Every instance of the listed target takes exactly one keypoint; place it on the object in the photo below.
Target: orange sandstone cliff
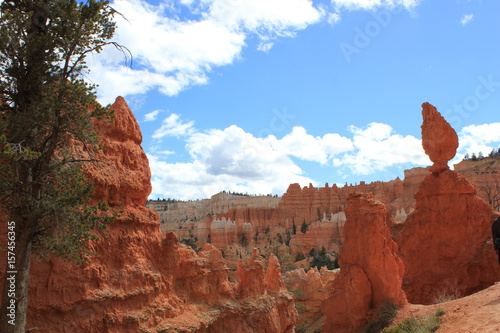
(143, 280)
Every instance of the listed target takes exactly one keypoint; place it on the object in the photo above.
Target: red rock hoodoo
(439, 139)
(371, 272)
(446, 244)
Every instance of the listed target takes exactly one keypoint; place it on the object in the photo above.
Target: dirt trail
(476, 313)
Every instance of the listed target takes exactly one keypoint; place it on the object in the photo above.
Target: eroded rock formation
(439, 139)
(310, 290)
(141, 279)
(304, 218)
(371, 272)
(445, 244)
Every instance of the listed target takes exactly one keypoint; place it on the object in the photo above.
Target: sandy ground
(476, 313)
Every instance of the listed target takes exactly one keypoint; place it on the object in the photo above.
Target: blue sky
(252, 95)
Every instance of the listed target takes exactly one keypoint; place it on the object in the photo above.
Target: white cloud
(280, 17)
(235, 160)
(228, 159)
(309, 148)
(377, 148)
(152, 115)
(171, 54)
(333, 18)
(466, 19)
(479, 138)
(173, 126)
(235, 152)
(373, 4)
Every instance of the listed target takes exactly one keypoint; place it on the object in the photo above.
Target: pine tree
(46, 106)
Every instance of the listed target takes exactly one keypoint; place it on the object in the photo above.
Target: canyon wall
(304, 218)
(143, 280)
(261, 221)
(485, 175)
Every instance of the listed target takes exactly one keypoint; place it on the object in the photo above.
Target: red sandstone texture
(371, 272)
(439, 139)
(310, 290)
(141, 279)
(446, 242)
(485, 175)
(125, 180)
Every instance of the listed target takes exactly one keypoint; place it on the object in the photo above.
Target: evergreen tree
(304, 227)
(45, 107)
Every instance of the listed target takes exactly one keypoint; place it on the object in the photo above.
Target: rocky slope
(143, 280)
(477, 312)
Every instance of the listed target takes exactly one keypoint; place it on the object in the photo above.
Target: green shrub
(300, 307)
(321, 258)
(385, 317)
(302, 328)
(299, 256)
(297, 293)
(417, 325)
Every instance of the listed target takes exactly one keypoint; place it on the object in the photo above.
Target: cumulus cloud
(309, 148)
(377, 147)
(235, 160)
(171, 53)
(228, 159)
(479, 138)
(466, 19)
(151, 116)
(176, 44)
(234, 152)
(173, 126)
(267, 17)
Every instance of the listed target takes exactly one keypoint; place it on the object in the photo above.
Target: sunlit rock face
(439, 139)
(445, 242)
(371, 272)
